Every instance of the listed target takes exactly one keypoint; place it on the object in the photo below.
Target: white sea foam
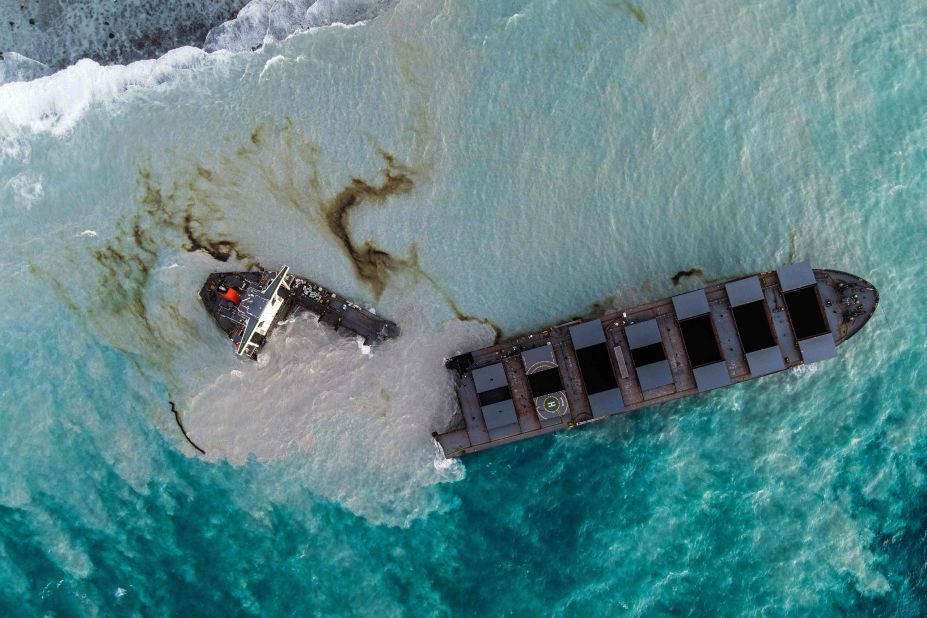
(848, 548)
(46, 36)
(275, 60)
(54, 103)
(17, 68)
(26, 188)
(14, 147)
(266, 21)
(63, 547)
(356, 427)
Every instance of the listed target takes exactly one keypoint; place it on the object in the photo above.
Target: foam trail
(357, 426)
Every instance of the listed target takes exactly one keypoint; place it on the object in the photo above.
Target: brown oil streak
(460, 315)
(163, 222)
(180, 215)
(633, 9)
(637, 12)
(373, 265)
(257, 135)
(682, 274)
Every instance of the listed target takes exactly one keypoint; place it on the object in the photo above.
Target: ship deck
(262, 300)
(845, 303)
(339, 312)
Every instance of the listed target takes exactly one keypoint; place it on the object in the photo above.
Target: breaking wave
(56, 102)
(266, 21)
(35, 97)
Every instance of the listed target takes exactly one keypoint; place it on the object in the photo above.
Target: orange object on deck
(232, 295)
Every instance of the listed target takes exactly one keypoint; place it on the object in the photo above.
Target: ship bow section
(697, 341)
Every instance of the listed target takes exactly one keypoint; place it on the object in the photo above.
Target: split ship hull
(248, 306)
(723, 334)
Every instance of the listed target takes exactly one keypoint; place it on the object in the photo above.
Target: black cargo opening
(596, 369)
(545, 382)
(753, 326)
(648, 354)
(805, 311)
(701, 345)
(496, 395)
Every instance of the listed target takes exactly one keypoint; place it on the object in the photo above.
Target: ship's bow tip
(856, 300)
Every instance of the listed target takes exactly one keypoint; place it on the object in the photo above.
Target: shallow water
(553, 155)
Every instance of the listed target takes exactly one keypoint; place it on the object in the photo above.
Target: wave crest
(265, 21)
(54, 103)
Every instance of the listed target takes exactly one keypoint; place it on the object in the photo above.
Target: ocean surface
(511, 165)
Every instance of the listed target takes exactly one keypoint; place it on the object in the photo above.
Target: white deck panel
(712, 376)
(765, 361)
(543, 354)
(606, 403)
(818, 348)
(744, 291)
(587, 334)
(499, 414)
(795, 276)
(654, 375)
(690, 304)
(642, 334)
(488, 378)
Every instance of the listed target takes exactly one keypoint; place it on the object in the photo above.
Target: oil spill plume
(683, 274)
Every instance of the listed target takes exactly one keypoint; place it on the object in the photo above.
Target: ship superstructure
(247, 306)
(580, 372)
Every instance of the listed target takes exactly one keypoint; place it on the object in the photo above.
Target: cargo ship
(247, 306)
(584, 371)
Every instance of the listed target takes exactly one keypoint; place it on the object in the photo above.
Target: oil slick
(371, 264)
(164, 223)
(683, 274)
(632, 9)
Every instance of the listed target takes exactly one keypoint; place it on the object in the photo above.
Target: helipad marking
(552, 404)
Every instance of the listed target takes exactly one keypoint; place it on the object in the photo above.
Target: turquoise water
(554, 155)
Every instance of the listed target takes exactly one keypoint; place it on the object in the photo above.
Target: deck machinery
(247, 306)
(581, 372)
